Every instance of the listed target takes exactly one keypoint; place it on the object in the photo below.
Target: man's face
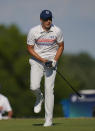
(46, 23)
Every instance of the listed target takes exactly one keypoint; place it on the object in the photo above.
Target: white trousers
(36, 73)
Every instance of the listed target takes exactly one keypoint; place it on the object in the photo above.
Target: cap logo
(47, 12)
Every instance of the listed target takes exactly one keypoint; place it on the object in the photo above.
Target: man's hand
(50, 64)
(54, 63)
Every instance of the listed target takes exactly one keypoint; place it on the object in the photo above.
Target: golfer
(45, 44)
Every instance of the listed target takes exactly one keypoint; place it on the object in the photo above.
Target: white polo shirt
(45, 43)
(5, 103)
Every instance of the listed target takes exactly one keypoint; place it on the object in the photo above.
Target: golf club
(67, 82)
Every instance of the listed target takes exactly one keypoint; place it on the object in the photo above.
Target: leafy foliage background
(15, 73)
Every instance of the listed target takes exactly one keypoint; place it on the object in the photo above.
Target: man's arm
(59, 51)
(33, 53)
(10, 113)
(1, 108)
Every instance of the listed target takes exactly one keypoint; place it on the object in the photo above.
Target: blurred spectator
(5, 107)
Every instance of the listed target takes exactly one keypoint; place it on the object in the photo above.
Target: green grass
(60, 124)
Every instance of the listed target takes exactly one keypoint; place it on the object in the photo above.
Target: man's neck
(46, 29)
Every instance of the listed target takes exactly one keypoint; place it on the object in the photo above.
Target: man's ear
(41, 20)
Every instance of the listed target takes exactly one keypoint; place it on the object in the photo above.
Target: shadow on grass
(54, 124)
(37, 124)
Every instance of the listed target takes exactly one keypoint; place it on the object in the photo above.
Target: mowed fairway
(60, 124)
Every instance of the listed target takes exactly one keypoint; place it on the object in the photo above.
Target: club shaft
(68, 83)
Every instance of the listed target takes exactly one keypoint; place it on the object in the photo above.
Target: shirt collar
(42, 30)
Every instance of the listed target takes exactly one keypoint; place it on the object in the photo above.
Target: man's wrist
(44, 60)
(55, 59)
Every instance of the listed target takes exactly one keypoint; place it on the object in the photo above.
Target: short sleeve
(60, 36)
(31, 38)
(7, 106)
